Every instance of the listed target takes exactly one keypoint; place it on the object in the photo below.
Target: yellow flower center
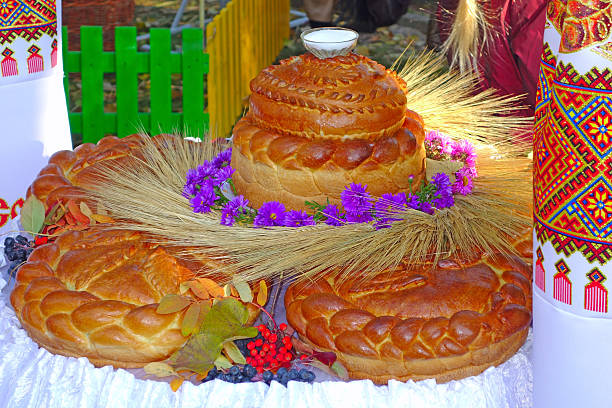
(273, 216)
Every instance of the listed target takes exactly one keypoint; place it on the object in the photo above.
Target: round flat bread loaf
(95, 293)
(445, 321)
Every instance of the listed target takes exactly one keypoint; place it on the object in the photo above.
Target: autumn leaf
(172, 304)
(227, 290)
(232, 351)
(85, 209)
(190, 320)
(225, 321)
(76, 212)
(212, 287)
(103, 219)
(55, 213)
(159, 369)
(340, 370)
(222, 363)
(244, 290)
(32, 215)
(198, 289)
(176, 383)
(262, 295)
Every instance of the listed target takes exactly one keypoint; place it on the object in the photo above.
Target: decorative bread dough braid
(444, 322)
(342, 97)
(94, 293)
(293, 169)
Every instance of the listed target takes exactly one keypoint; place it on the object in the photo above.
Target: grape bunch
(248, 373)
(16, 251)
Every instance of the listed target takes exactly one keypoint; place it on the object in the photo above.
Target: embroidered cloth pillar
(573, 208)
(34, 121)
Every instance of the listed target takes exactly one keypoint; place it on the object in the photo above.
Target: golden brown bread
(342, 97)
(445, 322)
(316, 126)
(94, 294)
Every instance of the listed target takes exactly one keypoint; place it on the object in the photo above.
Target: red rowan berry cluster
(270, 350)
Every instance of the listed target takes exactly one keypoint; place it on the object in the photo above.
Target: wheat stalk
(145, 195)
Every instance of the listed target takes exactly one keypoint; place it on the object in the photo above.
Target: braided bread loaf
(94, 293)
(315, 126)
(447, 321)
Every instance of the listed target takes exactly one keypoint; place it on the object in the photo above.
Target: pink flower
(464, 182)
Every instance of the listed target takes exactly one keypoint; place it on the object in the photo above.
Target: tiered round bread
(317, 125)
(447, 321)
(94, 293)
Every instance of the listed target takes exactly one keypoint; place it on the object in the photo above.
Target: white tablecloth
(32, 377)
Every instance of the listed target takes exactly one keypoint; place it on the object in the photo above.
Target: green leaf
(32, 215)
(224, 322)
(198, 354)
(232, 351)
(340, 370)
(190, 320)
(244, 290)
(222, 363)
(172, 304)
(159, 369)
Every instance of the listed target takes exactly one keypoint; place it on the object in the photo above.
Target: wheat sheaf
(145, 195)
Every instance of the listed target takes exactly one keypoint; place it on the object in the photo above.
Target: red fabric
(511, 61)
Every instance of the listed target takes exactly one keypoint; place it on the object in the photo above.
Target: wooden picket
(127, 63)
(242, 39)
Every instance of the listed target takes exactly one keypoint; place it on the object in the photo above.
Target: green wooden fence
(126, 62)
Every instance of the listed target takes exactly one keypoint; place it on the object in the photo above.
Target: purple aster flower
(413, 202)
(464, 181)
(270, 214)
(334, 217)
(189, 190)
(444, 200)
(463, 151)
(438, 145)
(206, 170)
(426, 208)
(223, 158)
(222, 175)
(355, 218)
(390, 204)
(441, 181)
(356, 200)
(236, 206)
(192, 177)
(204, 199)
(295, 218)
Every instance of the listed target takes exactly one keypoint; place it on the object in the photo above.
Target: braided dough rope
(94, 293)
(446, 322)
(272, 166)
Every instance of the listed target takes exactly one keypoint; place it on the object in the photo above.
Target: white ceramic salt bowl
(329, 42)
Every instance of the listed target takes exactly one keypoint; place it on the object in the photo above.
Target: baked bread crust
(342, 97)
(317, 125)
(94, 293)
(445, 322)
(292, 169)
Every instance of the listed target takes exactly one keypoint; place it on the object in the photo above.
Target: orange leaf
(102, 218)
(69, 219)
(176, 383)
(172, 303)
(76, 213)
(198, 289)
(262, 295)
(212, 287)
(190, 320)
